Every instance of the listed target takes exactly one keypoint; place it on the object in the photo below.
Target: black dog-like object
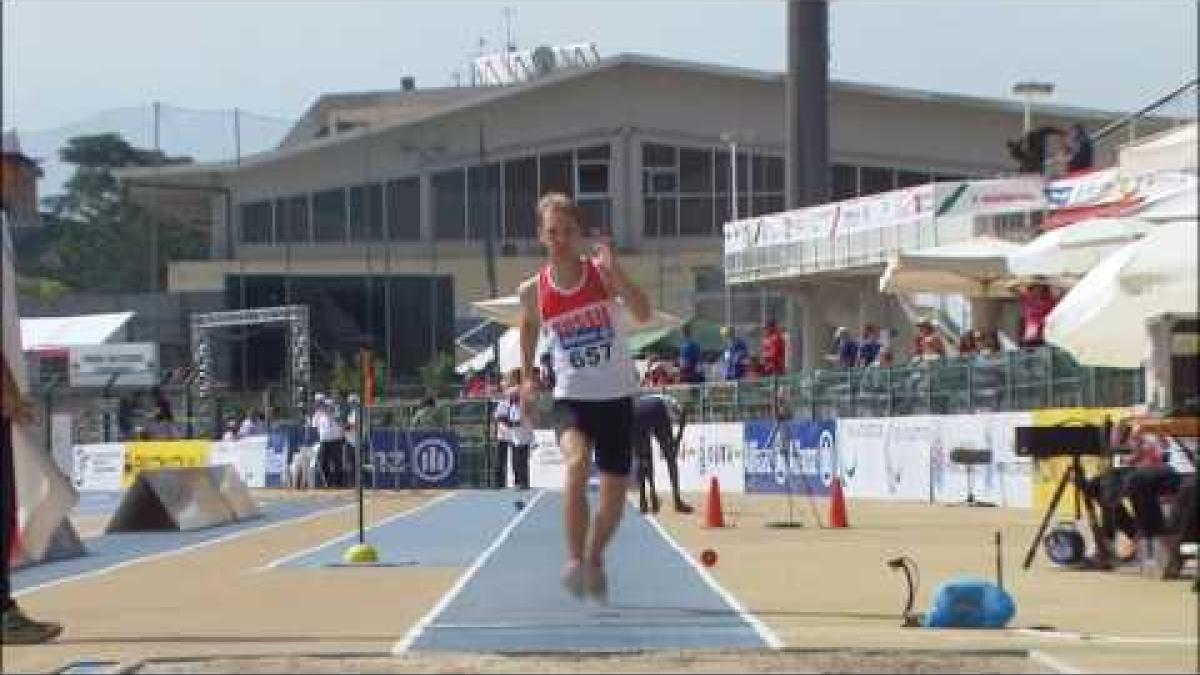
(654, 417)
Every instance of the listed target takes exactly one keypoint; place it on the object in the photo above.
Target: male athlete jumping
(574, 298)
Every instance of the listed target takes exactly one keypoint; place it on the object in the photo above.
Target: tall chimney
(807, 103)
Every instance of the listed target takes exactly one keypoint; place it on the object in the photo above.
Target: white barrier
(104, 466)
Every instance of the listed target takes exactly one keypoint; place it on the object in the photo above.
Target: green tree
(103, 241)
(437, 375)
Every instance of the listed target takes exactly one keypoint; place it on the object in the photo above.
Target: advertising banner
(140, 455)
(887, 458)
(794, 456)
(1005, 481)
(247, 455)
(415, 459)
(98, 466)
(706, 450)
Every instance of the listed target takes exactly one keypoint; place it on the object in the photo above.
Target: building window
(366, 212)
(483, 194)
(768, 174)
(257, 223)
(708, 279)
(450, 205)
(844, 181)
(520, 198)
(329, 216)
(404, 209)
(557, 174)
(292, 216)
(876, 179)
(597, 216)
(905, 178)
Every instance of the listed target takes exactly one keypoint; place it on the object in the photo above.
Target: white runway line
(1053, 663)
(180, 551)
(1111, 639)
(419, 627)
(768, 636)
(350, 534)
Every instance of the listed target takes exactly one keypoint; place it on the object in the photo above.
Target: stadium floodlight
(1029, 90)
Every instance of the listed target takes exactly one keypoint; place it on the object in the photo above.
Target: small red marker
(708, 557)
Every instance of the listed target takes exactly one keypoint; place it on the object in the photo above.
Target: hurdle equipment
(714, 516)
(181, 499)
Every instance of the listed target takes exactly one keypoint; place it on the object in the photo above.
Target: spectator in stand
(989, 343)
(1037, 301)
(756, 368)
(475, 385)
(689, 359)
(1079, 145)
(845, 348)
(928, 345)
(546, 372)
(968, 345)
(658, 373)
(774, 350)
(736, 357)
(126, 409)
(887, 356)
(870, 347)
(1034, 148)
(254, 424)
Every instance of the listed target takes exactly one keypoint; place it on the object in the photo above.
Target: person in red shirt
(774, 350)
(1037, 301)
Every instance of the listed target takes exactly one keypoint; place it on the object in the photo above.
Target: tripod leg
(1050, 509)
(1104, 547)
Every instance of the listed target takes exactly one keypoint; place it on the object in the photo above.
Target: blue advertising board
(792, 456)
(414, 459)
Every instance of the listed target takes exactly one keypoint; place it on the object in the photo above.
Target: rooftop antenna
(509, 45)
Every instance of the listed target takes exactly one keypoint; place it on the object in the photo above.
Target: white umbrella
(975, 268)
(1075, 249)
(1102, 321)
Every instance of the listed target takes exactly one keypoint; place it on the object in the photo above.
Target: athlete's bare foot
(574, 579)
(597, 583)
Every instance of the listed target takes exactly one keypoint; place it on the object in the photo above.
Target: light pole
(1030, 90)
(732, 138)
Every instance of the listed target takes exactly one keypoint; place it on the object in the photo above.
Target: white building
(372, 209)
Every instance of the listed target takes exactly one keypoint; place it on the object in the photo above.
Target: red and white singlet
(587, 337)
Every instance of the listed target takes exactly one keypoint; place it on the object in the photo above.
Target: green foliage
(102, 241)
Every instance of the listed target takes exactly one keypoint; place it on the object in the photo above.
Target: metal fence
(1014, 381)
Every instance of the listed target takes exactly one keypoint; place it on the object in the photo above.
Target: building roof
(61, 332)
(10, 145)
(434, 103)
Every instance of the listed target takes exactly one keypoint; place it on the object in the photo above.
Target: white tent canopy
(1102, 321)
(1171, 150)
(61, 332)
(1074, 249)
(975, 268)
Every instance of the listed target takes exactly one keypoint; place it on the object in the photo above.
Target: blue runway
(450, 533)
(515, 603)
(112, 549)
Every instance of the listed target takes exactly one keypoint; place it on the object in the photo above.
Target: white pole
(733, 211)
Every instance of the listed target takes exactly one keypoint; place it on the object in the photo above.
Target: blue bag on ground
(970, 603)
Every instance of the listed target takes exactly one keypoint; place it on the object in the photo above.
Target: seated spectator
(736, 357)
(689, 359)
(928, 345)
(968, 345)
(546, 372)
(1033, 149)
(845, 348)
(1079, 147)
(756, 368)
(1037, 300)
(773, 350)
(870, 347)
(989, 343)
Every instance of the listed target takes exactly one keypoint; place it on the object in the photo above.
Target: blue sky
(64, 60)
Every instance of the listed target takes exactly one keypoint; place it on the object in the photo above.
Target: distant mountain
(204, 135)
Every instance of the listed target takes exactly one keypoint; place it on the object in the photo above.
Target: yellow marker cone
(360, 554)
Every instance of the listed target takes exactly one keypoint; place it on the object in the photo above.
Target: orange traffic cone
(714, 516)
(837, 505)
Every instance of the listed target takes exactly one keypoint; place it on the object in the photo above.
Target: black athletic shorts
(608, 424)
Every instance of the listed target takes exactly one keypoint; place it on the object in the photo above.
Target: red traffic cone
(714, 516)
(837, 505)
